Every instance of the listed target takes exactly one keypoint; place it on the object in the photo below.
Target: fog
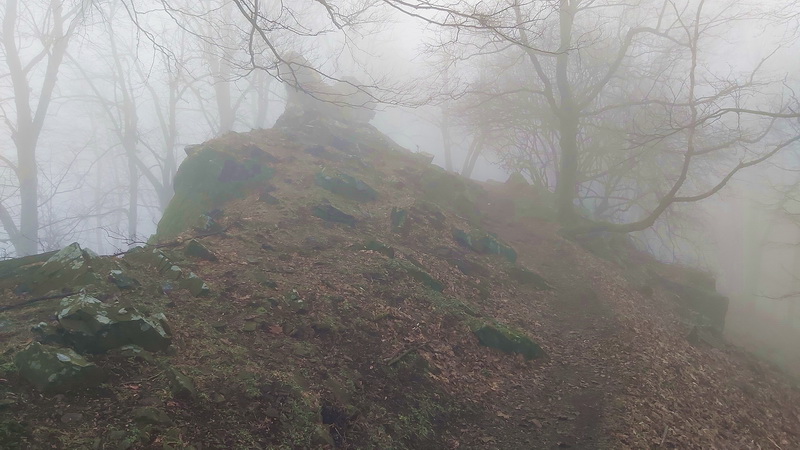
(673, 122)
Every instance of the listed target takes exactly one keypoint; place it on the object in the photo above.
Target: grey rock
(180, 385)
(122, 280)
(195, 285)
(197, 250)
(96, 327)
(56, 369)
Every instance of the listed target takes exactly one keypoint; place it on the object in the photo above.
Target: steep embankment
(321, 287)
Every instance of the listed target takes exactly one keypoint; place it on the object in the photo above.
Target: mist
(674, 123)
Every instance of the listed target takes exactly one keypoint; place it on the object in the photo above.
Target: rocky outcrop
(95, 327)
(56, 369)
(206, 180)
(69, 267)
(346, 98)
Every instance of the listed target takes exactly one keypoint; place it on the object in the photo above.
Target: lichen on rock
(56, 369)
(96, 327)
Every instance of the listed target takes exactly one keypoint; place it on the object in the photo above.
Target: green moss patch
(400, 265)
(206, 180)
(506, 339)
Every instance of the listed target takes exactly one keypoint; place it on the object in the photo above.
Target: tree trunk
(568, 121)
(447, 141)
(28, 241)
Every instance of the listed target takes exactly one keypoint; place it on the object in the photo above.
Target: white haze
(736, 234)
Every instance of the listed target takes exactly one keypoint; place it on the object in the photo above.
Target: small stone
(181, 386)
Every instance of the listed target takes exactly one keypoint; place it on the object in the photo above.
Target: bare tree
(639, 111)
(51, 24)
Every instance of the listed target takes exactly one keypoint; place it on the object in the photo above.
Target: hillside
(316, 286)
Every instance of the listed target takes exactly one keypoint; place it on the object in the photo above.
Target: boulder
(122, 280)
(16, 269)
(207, 179)
(710, 305)
(47, 333)
(195, 285)
(509, 341)
(95, 327)
(56, 369)
(346, 186)
(195, 249)
(486, 243)
(330, 213)
(70, 267)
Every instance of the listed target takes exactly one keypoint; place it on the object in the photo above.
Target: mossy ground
(311, 340)
(326, 318)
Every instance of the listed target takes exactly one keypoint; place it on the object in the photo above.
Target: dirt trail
(577, 386)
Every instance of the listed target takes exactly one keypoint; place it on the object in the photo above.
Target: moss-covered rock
(195, 249)
(347, 186)
(205, 181)
(56, 369)
(70, 268)
(122, 280)
(195, 285)
(330, 213)
(15, 269)
(96, 327)
(506, 339)
(486, 243)
(180, 385)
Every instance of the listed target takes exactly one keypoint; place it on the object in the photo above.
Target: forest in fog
(673, 121)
